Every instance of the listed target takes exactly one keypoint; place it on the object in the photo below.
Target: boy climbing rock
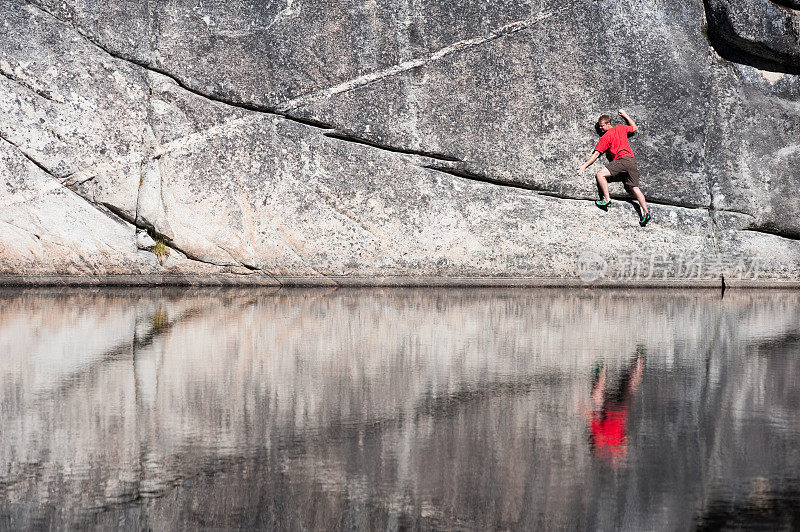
(614, 143)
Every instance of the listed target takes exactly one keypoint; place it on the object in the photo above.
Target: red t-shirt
(615, 142)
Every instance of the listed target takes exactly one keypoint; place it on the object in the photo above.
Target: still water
(398, 408)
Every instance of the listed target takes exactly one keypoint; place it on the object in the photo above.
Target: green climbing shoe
(644, 219)
(603, 204)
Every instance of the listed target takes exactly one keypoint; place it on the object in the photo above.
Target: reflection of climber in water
(610, 411)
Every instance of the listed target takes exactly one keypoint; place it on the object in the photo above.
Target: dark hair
(604, 119)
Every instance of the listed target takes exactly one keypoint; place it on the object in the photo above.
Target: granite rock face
(411, 141)
(763, 33)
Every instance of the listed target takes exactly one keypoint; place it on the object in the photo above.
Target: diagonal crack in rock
(331, 131)
(110, 210)
(385, 147)
(310, 122)
(418, 62)
(770, 230)
(33, 160)
(472, 176)
(170, 244)
(39, 92)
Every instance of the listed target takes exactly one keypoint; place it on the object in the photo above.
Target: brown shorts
(626, 166)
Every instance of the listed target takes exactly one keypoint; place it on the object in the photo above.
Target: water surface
(395, 408)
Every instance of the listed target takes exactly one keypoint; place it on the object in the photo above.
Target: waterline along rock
(409, 142)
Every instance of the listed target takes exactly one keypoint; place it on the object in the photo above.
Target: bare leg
(640, 199)
(636, 374)
(598, 389)
(601, 176)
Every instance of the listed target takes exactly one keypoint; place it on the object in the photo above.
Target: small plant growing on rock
(161, 250)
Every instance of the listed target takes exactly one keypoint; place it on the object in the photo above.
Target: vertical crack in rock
(145, 147)
(714, 230)
(711, 95)
(147, 130)
(418, 62)
(711, 207)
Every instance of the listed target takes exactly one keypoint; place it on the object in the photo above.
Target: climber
(614, 142)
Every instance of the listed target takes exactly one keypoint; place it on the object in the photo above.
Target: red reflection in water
(609, 417)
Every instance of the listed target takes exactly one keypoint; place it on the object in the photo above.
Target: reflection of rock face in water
(370, 407)
(433, 139)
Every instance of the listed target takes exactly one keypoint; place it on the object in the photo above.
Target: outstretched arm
(592, 158)
(628, 119)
